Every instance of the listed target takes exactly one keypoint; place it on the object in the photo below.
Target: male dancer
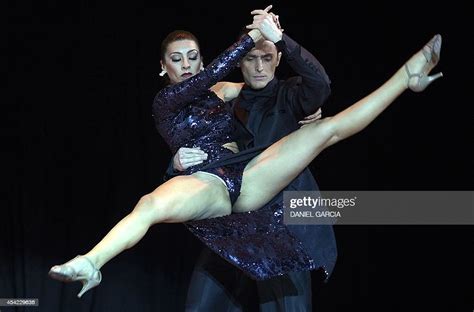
(266, 110)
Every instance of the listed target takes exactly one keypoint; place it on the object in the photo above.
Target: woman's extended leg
(181, 199)
(273, 169)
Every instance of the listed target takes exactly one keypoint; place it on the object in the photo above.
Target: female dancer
(188, 113)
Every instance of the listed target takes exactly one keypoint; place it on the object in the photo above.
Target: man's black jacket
(264, 116)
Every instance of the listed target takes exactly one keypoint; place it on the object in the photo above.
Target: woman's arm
(173, 98)
(226, 90)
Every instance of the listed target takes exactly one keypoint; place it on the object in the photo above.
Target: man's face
(259, 65)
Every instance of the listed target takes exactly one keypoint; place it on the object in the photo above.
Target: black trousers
(216, 285)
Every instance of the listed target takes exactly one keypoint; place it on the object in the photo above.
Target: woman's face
(182, 60)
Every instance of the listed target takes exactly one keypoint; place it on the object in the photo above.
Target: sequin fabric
(257, 242)
(187, 114)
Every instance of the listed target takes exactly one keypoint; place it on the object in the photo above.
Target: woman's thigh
(272, 170)
(193, 197)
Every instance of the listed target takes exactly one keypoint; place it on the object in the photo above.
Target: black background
(81, 147)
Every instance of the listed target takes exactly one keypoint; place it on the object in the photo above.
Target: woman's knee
(153, 206)
(179, 204)
(325, 130)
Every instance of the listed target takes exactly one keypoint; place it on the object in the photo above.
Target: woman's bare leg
(180, 199)
(268, 173)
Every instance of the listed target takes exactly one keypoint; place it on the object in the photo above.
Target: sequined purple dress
(188, 114)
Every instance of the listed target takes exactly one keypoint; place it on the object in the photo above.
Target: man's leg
(290, 292)
(216, 285)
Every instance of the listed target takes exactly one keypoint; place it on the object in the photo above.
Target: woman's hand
(187, 157)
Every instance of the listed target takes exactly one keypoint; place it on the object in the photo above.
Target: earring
(163, 72)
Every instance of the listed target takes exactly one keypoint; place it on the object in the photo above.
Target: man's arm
(314, 89)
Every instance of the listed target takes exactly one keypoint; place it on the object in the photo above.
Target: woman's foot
(420, 64)
(78, 269)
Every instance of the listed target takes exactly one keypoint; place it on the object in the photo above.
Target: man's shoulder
(290, 82)
(288, 86)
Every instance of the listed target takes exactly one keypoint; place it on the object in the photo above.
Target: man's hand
(232, 146)
(187, 157)
(265, 23)
(276, 19)
(310, 118)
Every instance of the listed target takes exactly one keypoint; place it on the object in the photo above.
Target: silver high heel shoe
(431, 52)
(78, 269)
